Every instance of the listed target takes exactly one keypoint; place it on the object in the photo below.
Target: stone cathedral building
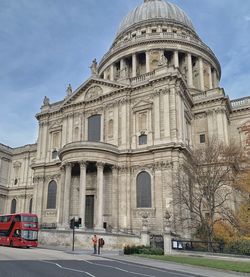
(109, 151)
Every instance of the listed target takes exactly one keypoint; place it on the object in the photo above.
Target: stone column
(134, 65)
(215, 79)
(167, 241)
(210, 81)
(99, 225)
(82, 193)
(147, 62)
(190, 70)
(176, 59)
(105, 75)
(122, 65)
(115, 195)
(201, 74)
(112, 76)
(66, 201)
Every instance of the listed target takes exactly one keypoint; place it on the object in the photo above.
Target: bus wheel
(11, 243)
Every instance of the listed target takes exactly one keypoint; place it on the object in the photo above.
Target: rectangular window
(202, 138)
(94, 128)
(143, 139)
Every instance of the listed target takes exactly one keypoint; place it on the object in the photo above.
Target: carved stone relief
(93, 92)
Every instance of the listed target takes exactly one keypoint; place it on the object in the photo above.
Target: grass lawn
(201, 261)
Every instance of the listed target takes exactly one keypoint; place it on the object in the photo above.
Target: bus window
(29, 235)
(17, 218)
(29, 219)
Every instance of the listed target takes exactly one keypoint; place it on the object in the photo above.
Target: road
(36, 262)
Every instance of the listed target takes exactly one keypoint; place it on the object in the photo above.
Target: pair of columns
(82, 194)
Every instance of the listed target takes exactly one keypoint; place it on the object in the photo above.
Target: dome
(155, 9)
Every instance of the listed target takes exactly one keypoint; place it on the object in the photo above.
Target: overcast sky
(47, 44)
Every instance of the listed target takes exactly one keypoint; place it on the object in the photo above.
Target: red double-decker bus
(19, 230)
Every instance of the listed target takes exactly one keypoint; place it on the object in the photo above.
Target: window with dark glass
(13, 206)
(54, 155)
(94, 128)
(202, 138)
(143, 139)
(30, 205)
(51, 200)
(143, 190)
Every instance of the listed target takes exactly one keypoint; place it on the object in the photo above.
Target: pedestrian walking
(94, 241)
(100, 245)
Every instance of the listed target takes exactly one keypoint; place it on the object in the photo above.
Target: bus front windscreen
(29, 234)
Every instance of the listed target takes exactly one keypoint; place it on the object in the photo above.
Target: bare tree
(204, 186)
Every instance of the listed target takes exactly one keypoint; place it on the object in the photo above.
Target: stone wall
(83, 239)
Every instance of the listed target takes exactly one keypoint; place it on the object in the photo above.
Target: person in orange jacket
(94, 241)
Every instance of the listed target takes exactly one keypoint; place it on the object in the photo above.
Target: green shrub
(240, 247)
(141, 249)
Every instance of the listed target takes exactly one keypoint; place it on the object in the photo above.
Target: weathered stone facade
(154, 95)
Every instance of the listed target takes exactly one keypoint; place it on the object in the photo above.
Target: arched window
(143, 190)
(13, 206)
(51, 200)
(94, 128)
(30, 206)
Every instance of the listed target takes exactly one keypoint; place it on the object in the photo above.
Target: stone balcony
(89, 149)
(240, 103)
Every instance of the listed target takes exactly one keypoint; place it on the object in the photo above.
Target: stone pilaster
(172, 112)
(60, 204)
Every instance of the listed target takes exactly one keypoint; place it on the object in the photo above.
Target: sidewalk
(196, 270)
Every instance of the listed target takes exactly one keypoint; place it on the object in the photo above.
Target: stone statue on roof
(46, 101)
(69, 90)
(93, 67)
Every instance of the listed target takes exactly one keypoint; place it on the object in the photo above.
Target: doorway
(89, 212)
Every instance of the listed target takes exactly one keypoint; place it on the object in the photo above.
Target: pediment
(56, 125)
(91, 90)
(142, 105)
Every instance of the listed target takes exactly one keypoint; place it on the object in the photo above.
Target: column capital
(83, 164)
(67, 165)
(100, 164)
(115, 167)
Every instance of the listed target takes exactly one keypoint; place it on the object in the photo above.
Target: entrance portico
(84, 193)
